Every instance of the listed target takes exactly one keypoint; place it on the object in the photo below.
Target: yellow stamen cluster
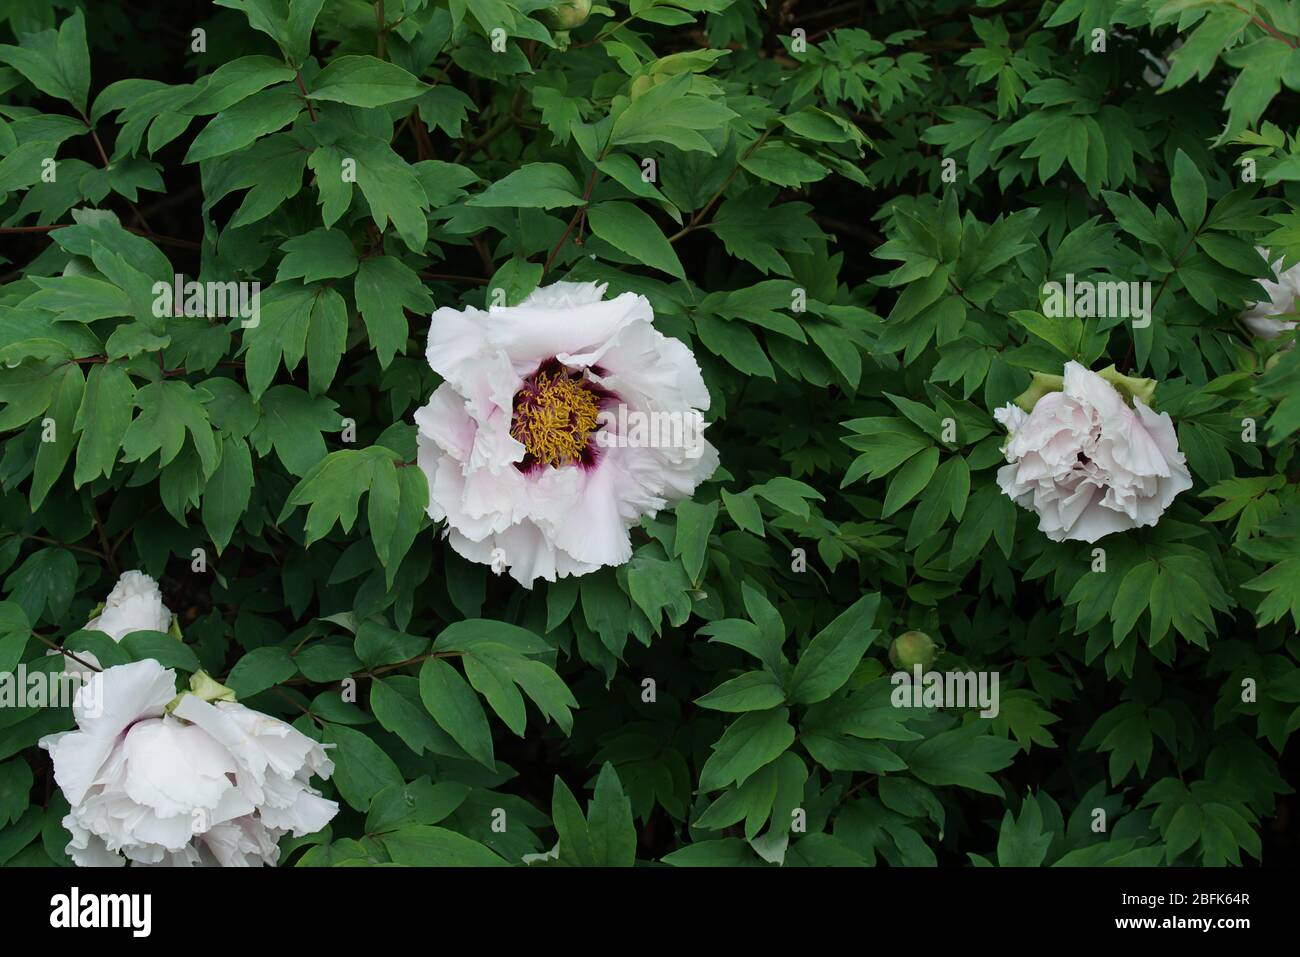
(553, 418)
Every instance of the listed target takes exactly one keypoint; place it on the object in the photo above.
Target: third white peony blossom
(1086, 462)
(559, 423)
(211, 783)
(1283, 290)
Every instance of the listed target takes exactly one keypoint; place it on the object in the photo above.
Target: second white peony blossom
(134, 604)
(1087, 463)
(559, 423)
(211, 783)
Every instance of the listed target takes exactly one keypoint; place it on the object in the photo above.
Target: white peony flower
(1087, 463)
(134, 604)
(559, 423)
(209, 784)
(1261, 318)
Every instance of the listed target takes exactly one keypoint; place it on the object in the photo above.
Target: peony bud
(205, 688)
(912, 648)
(569, 14)
(1130, 387)
(1039, 386)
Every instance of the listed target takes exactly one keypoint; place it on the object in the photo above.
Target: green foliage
(850, 221)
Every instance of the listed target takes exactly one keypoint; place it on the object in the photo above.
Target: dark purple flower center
(556, 416)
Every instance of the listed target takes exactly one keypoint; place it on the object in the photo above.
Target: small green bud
(1041, 385)
(912, 648)
(206, 688)
(1130, 387)
(568, 14)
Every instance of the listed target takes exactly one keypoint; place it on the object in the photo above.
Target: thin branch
(1263, 25)
(109, 555)
(33, 229)
(117, 543)
(447, 277)
(54, 541)
(67, 654)
(580, 214)
(288, 698)
(409, 661)
(99, 145)
(484, 256)
(704, 210)
(311, 110)
(510, 118)
(146, 233)
(849, 229)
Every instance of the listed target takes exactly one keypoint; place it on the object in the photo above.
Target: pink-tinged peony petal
(478, 513)
(535, 331)
(1161, 429)
(595, 532)
(1096, 522)
(444, 422)
(642, 363)
(1010, 416)
(456, 338)
(1139, 453)
(1093, 392)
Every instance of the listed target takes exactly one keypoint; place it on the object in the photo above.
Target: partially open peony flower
(134, 604)
(1087, 463)
(212, 783)
(560, 422)
(1261, 318)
